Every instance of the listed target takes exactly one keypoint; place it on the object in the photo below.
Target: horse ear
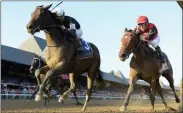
(125, 29)
(48, 6)
(40, 6)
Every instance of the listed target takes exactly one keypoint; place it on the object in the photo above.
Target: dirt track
(95, 106)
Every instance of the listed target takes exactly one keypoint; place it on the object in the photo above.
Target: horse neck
(139, 53)
(54, 37)
(43, 62)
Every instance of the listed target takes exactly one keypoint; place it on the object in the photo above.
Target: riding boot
(161, 57)
(77, 40)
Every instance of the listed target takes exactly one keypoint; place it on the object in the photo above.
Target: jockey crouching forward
(149, 33)
(71, 25)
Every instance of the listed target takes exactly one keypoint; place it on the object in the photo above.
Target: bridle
(39, 28)
(134, 48)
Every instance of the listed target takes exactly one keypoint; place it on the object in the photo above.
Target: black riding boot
(161, 57)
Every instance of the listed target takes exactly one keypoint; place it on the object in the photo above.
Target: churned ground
(95, 106)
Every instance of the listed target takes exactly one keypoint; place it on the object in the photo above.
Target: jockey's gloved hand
(73, 32)
(138, 32)
(143, 39)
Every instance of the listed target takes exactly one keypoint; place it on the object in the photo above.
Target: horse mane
(43, 60)
(54, 16)
(130, 30)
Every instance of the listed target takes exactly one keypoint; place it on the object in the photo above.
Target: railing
(27, 96)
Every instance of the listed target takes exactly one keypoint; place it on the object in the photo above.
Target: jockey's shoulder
(69, 17)
(152, 24)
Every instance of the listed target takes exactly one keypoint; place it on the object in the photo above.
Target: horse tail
(168, 61)
(99, 75)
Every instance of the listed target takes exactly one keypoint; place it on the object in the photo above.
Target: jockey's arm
(152, 33)
(72, 25)
(137, 31)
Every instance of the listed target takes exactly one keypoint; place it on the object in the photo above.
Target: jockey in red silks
(149, 33)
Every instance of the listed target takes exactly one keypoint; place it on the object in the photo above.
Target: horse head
(40, 19)
(129, 43)
(36, 63)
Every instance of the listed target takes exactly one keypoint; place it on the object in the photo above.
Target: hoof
(83, 109)
(177, 100)
(61, 99)
(153, 110)
(38, 98)
(170, 109)
(123, 109)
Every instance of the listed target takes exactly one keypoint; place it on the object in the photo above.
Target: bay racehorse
(61, 54)
(144, 65)
(56, 82)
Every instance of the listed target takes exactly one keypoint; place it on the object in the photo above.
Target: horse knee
(37, 73)
(89, 91)
(72, 87)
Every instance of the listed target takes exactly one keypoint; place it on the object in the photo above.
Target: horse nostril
(123, 55)
(29, 27)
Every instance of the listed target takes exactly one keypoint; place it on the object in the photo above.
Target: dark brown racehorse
(55, 82)
(144, 65)
(61, 54)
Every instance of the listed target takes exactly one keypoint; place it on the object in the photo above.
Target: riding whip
(57, 5)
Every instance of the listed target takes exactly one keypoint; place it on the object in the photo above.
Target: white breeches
(155, 42)
(79, 32)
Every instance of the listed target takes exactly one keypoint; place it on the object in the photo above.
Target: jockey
(72, 25)
(149, 33)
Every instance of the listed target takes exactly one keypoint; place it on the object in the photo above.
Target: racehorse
(55, 82)
(144, 65)
(61, 55)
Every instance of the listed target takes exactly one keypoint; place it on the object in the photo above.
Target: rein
(134, 48)
(50, 26)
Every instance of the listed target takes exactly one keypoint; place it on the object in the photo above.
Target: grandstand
(16, 79)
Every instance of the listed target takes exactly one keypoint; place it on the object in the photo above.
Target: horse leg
(38, 78)
(61, 67)
(159, 91)
(90, 80)
(133, 79)
(72, 79)
(61, 90)
(42, 86)
(76, 98)
(39, 71)
(169, 77)
(152, 94)
(37, 75)
(47, 92)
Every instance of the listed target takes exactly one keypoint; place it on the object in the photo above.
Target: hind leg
(72, 79)
(159, 91)
(169, 77)
(90, 80)
(152, 94)
(76, 98)
(61, 91)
